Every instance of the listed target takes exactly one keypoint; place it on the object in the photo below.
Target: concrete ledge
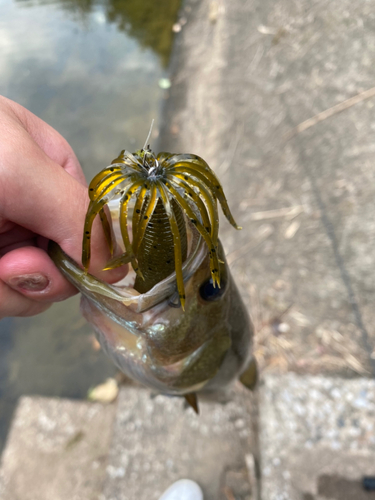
(56, 450)
(317, 441)
(156, 442)
(317, 437)
(63, 450)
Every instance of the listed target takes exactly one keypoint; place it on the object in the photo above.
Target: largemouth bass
(177, 323)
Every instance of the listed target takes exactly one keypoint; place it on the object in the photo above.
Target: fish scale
(156, 253)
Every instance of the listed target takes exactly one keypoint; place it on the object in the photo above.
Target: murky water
(91, 69)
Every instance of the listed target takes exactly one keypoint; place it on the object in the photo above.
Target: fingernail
(30, 282)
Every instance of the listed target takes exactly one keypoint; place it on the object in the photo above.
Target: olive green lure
(163, 187)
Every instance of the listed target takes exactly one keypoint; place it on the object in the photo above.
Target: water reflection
(51, 355)
(87, 68)
(6, 403)
(147, 21)
(91, 82)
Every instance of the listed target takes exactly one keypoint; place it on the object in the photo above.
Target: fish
(177, 322)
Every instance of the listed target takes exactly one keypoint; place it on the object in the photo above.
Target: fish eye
(210, 293)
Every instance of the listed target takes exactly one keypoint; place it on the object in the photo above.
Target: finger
(13, 246)
(13, 303)
(30, 272)
(16, 236)
(50, 202)
(48, 139)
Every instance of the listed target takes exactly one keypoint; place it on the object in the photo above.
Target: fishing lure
(171, 240)
(163, 186)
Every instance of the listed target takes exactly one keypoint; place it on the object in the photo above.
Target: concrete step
(317, 442)
(156, 442)
(56, 450)
(317, 437)
(63, 450)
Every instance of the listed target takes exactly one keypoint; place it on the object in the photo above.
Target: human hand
(43, 196)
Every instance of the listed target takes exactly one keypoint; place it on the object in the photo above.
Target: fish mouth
(122, 293)
(120, 317)
(134, 329)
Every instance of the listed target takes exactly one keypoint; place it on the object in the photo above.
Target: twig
(348, 103)
(231, 151)
(289, 212)
(256, 59)
(228, 493)
(251, 469)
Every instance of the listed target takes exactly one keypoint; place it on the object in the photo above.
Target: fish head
(152, 340)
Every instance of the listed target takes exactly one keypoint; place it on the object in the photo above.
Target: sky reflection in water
(88, 70)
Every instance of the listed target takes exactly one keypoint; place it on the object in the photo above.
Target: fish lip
(93, 288)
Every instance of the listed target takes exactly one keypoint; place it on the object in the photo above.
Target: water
(92, 71)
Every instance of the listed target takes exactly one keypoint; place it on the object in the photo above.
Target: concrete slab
(56, 449)
(242, 80)
(317, 437)
(156, 442)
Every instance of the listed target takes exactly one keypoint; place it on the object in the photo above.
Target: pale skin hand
(43, 195)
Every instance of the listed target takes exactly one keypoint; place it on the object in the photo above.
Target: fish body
(177, 323)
